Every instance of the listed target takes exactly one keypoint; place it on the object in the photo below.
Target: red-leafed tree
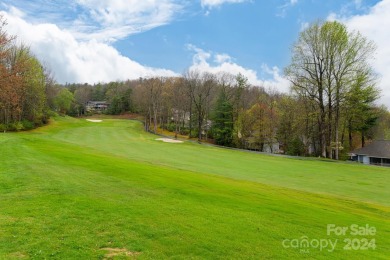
(22, 85)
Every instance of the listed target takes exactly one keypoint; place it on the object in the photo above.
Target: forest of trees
(22, 86)
(28, 91)
(228, 110)
(330, 110)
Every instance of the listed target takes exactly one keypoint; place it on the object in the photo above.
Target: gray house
(376, 153)
(96, 106)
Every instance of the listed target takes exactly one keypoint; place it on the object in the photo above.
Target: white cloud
(221, 58)
(304, 26)
(216, 3)
(16, 12)
(73, 60)
(375, 26)
(277, 80)
(224, 63)
(107, 20)
(283, 8)
(120, 18)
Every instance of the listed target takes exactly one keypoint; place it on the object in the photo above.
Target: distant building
(96, 106)
(376, 153)
(180, 116)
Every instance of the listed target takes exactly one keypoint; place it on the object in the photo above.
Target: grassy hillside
(78, 189)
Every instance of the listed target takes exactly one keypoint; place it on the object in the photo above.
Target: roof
(95, 102)
(379, 149)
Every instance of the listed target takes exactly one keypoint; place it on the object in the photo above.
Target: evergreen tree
(223, 121)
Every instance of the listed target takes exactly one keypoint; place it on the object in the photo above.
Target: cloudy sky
(98, 41)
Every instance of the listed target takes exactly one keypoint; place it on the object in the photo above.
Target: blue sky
(95, 41)
(253, 33)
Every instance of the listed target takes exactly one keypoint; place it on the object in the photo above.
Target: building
(376, 153)
(96, 106)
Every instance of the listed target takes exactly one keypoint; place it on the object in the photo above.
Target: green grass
(69, 190)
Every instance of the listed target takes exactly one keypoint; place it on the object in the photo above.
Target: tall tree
(151, 95)
(327, 61)
(223, 121)
(82, 95)
(22, 85)
(118, 94)
(200, 87)
(361, 113)
(63, 100)
(178, 102)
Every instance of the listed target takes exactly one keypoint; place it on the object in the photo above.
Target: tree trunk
(336, 154)
(176, 124)
(329, 134)
(343, 134)
(155, 121)
(322, 135)
(350, 136)
(150, 119)
(337, 119)
(322, 123)
(200, 121)
(190, 134)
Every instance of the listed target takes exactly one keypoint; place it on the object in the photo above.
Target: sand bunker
(120, 252)
(168, 140)
(94, 120)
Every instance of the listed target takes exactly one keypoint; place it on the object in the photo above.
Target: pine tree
(223, 121)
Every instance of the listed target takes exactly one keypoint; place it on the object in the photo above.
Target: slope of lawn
(83, 190)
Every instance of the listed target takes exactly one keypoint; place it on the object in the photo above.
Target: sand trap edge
(168, 140)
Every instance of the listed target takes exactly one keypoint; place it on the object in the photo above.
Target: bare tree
(151, 96)
(200, 87)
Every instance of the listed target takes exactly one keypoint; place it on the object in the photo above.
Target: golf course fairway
(79, 189)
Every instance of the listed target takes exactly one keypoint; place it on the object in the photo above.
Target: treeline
(22, 86)
(117, 94)
(331, 108)
(28, 91)
(228, 110)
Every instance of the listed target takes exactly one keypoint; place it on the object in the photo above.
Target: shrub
(296, 147)
(27, 125)
(16, 126)
(171, 127)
